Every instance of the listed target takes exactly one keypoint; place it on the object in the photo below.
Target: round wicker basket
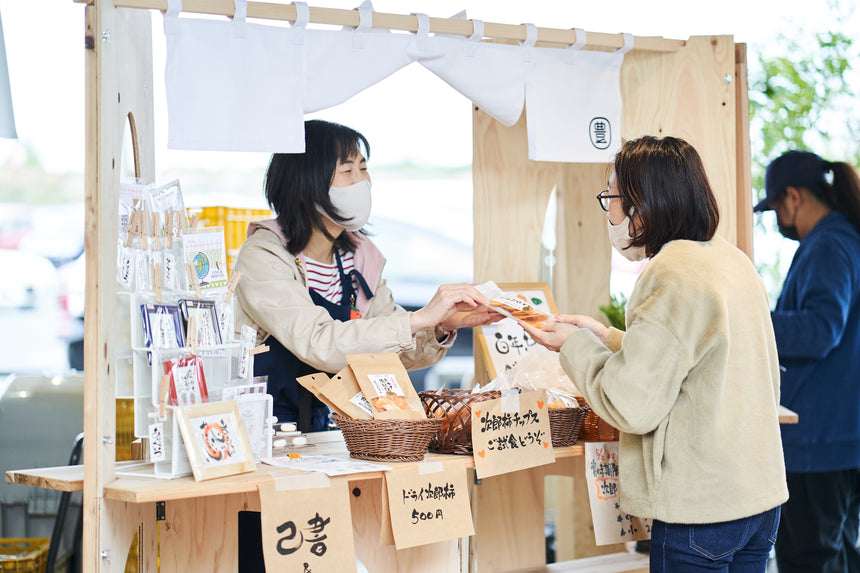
(565, 424)
(596, 429)
(387, 440)
(453, 409)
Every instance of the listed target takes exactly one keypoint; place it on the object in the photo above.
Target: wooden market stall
(694, 88)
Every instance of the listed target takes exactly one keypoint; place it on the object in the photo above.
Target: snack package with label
(516, 307)
(386, 385)
(343, 391)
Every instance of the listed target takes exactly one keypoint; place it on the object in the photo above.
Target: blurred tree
(803, 98)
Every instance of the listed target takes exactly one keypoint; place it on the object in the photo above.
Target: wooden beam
(551, 37)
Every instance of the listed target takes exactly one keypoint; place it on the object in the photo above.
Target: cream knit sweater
(693, 385)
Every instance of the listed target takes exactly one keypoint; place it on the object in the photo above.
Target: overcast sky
(45, 52)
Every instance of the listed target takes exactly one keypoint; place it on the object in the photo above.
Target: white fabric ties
(365, 23)
(303, 16)
(529, 44)
(240, 12)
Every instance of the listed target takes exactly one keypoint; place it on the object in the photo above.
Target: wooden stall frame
(672, 87)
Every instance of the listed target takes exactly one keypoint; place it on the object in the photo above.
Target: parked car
(31, 315)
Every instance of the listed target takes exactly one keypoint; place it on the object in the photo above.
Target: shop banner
(428, 502)
(307, 529)
(511, 433)
(611, 524)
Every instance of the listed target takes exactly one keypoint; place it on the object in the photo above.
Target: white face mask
(353, 202)
(619, 236)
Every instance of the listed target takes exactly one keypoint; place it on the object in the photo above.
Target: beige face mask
(619, 236)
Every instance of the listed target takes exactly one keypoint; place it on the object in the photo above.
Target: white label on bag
(385, 383)
(125, 268)
(156, 442)
(170, 272)
(361, 401)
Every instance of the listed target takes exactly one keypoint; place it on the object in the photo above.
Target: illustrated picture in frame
(502, 343)
(208, 333)
(215, 440)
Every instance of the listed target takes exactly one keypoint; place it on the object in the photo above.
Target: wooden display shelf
(146, 490)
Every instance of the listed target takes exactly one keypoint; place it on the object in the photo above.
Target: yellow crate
(23, 554)
(235, 222)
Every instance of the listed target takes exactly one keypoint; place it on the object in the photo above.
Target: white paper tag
(249, 341)
(187, 385)
(141, 270)
(384, 384)
(125, 268)
(361, 401)
(156, 442)
(169, 272)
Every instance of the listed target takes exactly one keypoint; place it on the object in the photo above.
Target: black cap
(795, 169)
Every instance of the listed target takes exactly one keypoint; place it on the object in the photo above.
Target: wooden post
(744, 172)
(118, 88)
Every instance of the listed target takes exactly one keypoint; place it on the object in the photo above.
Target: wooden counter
(508, 511)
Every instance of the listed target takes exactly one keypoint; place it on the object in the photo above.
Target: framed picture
(502, 343)
(162, 326)
(208, 332)
(215, 440)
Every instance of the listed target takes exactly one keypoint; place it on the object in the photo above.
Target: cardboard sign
(428, 503)
(611, 524)
(307, 530)
(511, 433)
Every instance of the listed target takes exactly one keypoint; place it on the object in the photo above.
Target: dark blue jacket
(817, 326)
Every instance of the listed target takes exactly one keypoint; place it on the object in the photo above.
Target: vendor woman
(312, 283)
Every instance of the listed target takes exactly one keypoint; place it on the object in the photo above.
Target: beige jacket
(273, 298)
(693, 385)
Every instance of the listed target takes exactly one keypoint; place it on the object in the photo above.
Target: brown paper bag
(344, 392)
(313, 382)
(386, 385)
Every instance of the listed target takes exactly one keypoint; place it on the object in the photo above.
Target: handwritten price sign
(428, 506)
(511, 433)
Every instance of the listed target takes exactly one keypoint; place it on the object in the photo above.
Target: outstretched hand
(581, 321)
(448, 300)
(551, 333)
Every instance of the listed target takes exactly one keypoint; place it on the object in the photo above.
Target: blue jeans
(739, 546)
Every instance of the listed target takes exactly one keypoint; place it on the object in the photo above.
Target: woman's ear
(793, 195)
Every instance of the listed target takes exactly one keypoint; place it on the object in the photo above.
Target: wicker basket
(564, 424)
(596, 429)
(387, 440)
(453, 409)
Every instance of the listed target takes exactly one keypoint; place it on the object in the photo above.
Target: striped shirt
(325, 279)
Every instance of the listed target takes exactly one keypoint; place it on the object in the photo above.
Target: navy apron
(292, 401)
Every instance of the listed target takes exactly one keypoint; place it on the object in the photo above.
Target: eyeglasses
(603, 198)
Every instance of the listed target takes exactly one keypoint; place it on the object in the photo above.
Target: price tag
(428, 503)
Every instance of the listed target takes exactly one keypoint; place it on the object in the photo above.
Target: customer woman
(312, 283)
(693, 383)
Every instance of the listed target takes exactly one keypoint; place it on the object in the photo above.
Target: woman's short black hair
(297, 182)
(664, 180)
